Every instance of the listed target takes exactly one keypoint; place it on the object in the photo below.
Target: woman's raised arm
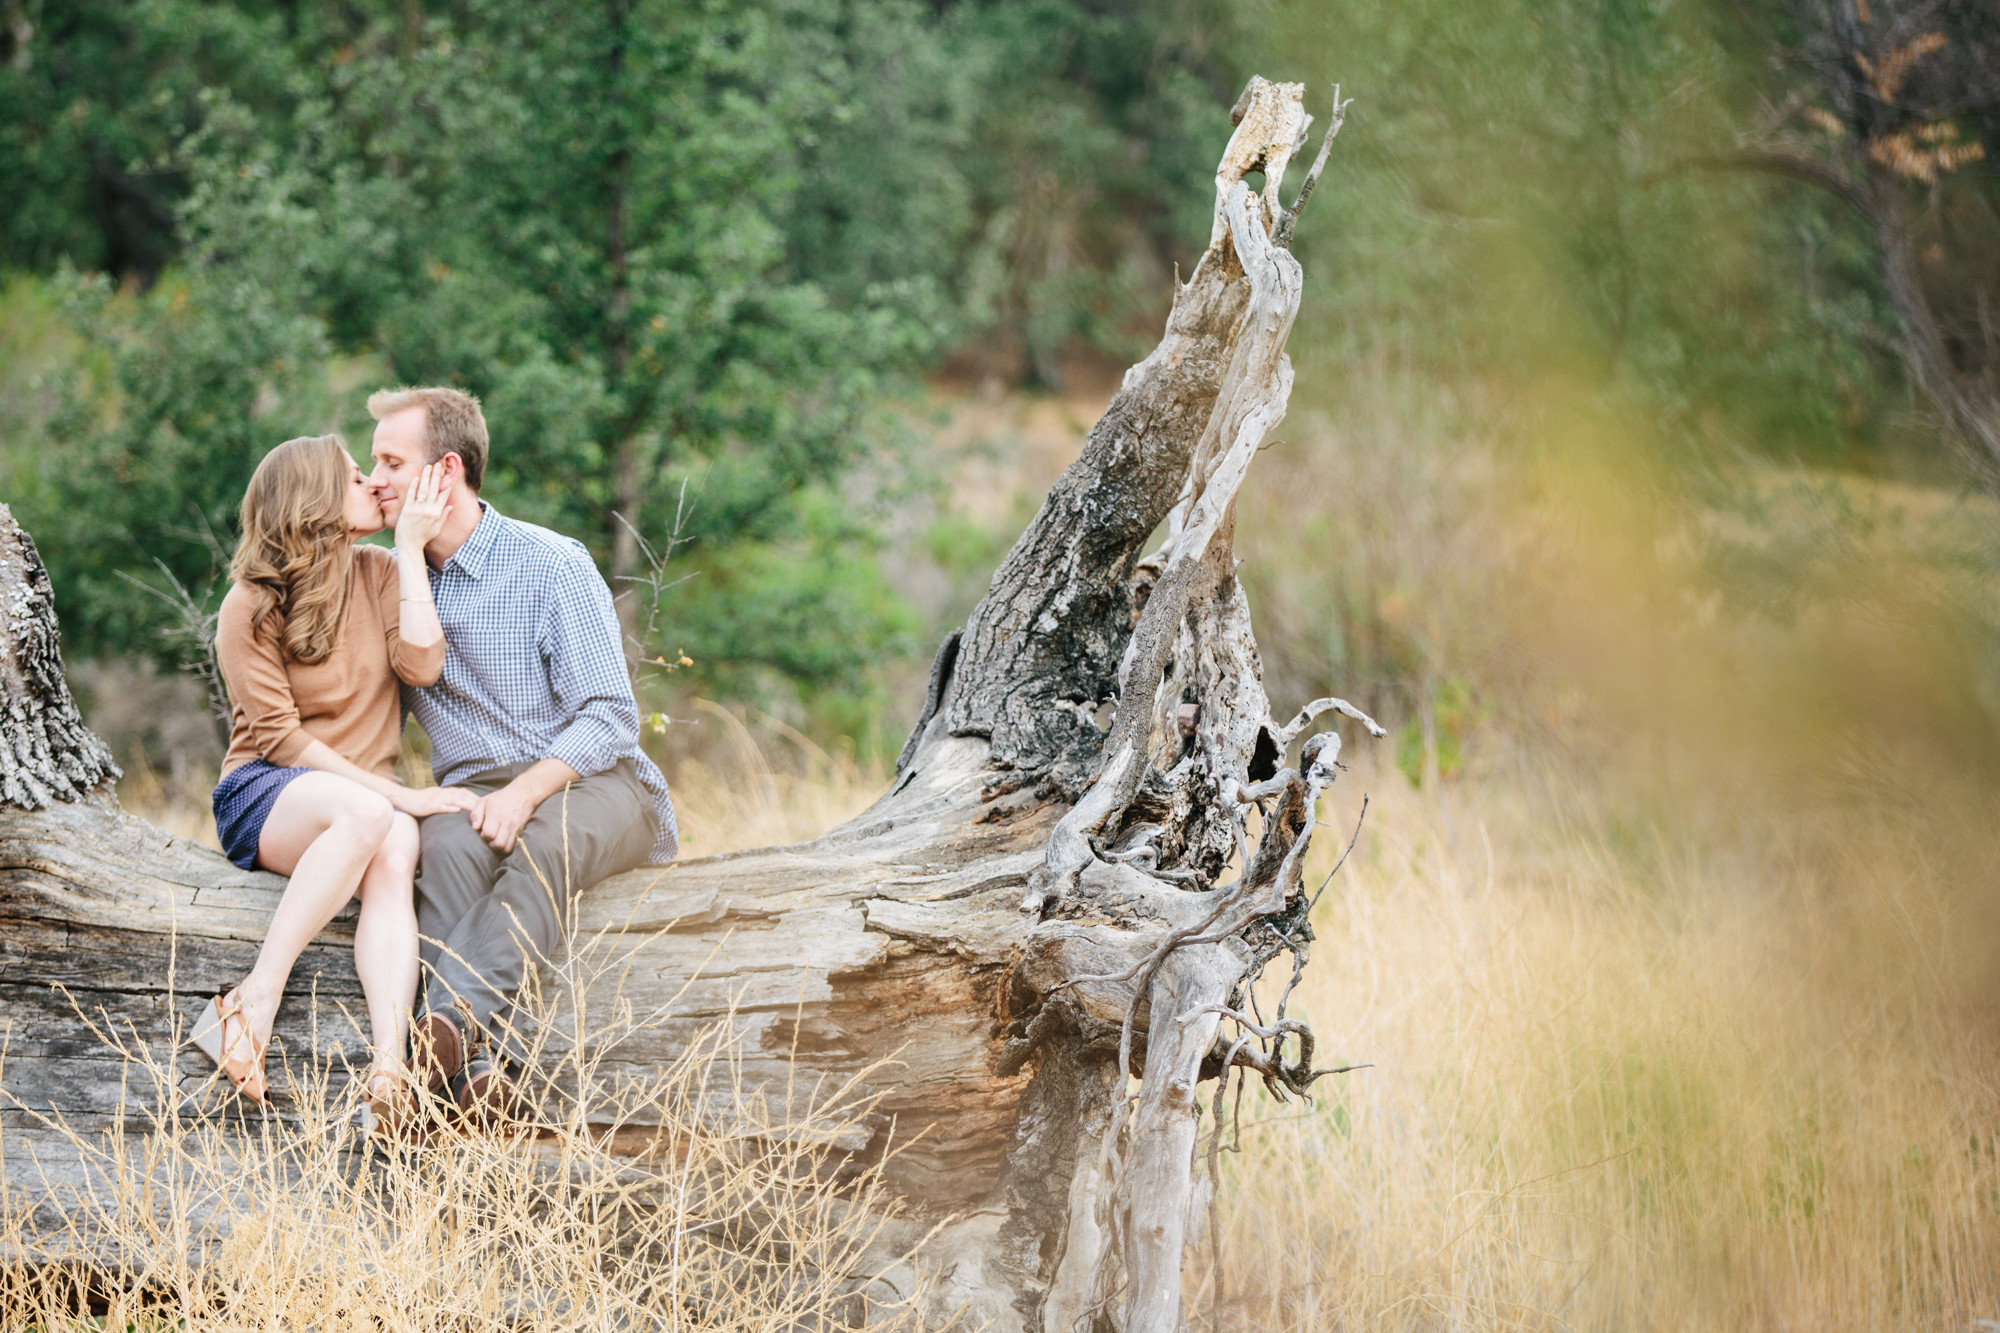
(422, 518)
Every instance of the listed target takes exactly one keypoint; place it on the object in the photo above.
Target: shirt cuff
(588, 754)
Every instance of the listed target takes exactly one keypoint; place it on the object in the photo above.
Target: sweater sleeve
(260, 693)
(412, 665)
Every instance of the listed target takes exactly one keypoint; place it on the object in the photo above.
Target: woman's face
(364, 511)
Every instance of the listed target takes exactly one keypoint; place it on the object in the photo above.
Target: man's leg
(455, 872)
(595, 827)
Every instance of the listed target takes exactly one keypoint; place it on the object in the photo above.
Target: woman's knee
(395, 861)
(366, 817)
(314, 805)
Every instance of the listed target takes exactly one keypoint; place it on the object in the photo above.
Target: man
(534, 714)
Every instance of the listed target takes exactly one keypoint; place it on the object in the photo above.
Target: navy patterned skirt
(242, 802)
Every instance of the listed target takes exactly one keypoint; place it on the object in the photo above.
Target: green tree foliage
(97, 98)
(1097, 129)
(1536, 230)
(576, 214)
(154, 436)
(1893, 110)
(677, 249)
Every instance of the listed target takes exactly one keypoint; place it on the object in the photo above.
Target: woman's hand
(424, 511)
(421, 801)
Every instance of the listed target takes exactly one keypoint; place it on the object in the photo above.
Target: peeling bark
(1035, 911)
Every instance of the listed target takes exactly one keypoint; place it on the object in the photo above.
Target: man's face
(399, 459)
(363, 509)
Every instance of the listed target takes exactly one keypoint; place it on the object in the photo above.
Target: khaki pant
(486, 917)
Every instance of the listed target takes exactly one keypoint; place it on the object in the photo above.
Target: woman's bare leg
(385, 940)
(323, 831)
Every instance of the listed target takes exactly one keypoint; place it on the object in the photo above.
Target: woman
(312, 640)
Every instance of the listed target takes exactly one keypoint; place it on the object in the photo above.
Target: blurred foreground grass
(1671, 936)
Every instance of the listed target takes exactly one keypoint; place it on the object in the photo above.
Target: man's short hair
(453, 424)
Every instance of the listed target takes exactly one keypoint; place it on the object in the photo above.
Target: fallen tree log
(1038, 911)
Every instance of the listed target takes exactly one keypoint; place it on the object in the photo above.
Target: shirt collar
(471, 556)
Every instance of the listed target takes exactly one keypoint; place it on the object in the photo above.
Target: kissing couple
(501, 639)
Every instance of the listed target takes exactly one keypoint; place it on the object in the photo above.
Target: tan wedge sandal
(212, 1036)
(392, 1112)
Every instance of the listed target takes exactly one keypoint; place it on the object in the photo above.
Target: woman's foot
(225, 1032)
(393, 1108)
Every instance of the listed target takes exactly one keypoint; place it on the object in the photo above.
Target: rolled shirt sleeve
(579, 646)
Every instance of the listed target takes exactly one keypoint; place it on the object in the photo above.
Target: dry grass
(181, 807)
(1626, 1074)
(742, 792)
(640, 1206)
(1679, 1088)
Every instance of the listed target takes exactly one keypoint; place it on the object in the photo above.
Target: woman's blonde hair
(294, 556)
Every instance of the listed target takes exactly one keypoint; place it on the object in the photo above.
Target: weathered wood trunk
(1034, 912)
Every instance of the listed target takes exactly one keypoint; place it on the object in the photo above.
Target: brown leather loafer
(488, 1099)
(437, 1050)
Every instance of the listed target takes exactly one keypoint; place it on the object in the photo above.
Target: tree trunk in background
(627, 493)
(1895, 85)
(1965, 401)
(1036, 911)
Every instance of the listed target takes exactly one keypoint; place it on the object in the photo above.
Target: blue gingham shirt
(532, 668)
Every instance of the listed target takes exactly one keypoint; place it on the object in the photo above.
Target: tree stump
(1036, 912)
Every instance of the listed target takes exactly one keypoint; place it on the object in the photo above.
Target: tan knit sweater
(349, 699)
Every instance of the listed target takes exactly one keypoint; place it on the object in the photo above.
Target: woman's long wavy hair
(295, 554)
